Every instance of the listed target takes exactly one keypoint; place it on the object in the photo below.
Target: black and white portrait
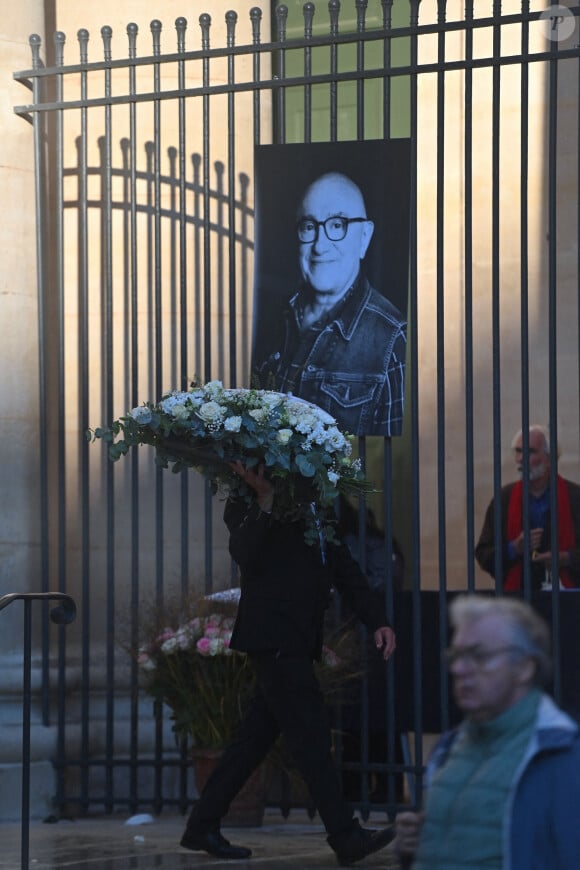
(332, 243)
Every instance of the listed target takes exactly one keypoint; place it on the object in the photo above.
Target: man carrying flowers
(279, 512)
(285, 589)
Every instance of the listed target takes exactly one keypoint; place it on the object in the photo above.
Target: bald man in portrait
(341, 343)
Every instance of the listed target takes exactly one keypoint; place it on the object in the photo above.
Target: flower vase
(247, 808)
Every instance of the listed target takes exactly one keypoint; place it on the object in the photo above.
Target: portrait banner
(331, 278)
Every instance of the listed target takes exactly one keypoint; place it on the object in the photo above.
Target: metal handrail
(63, 614)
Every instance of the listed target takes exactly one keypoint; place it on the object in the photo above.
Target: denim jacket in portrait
(351, 364)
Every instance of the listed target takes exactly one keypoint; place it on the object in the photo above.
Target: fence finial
(156, 28)
(361, 12)
(132, 31)
(231, 21)
(255, 18)
(414, 12)
(106, 36)
(181, 27)
(205, 24)
(59, 41)
(35, 43)
(309, 11)
(83, 38)
(387, 13)
(281, 19)
(334, 12)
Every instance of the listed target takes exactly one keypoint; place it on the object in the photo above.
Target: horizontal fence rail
(275, 83)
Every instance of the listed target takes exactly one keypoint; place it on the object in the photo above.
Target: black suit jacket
(285, 587)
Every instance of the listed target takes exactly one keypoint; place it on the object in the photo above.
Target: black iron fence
(145, 255)
(62, 614)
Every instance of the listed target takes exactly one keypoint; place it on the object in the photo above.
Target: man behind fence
(503, 789)
(539, 507)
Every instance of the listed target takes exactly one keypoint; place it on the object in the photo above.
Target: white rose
(149, 665)
(335, 440)
(283, 436)
(333, 477)
(180, 412)
(300, 407)
(141, 415)
(213, 389)
(259, 415)
(211, 412)
(216, 646)
(306, 423)
(183, 637)
(169, 645)
(271, 400)
(174, 396)
(168, 402)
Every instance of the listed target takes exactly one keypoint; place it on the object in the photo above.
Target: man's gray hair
(531, 635)
(544, 431)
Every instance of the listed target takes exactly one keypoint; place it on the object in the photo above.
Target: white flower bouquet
(305, 455)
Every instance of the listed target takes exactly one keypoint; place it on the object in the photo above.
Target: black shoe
(357, 843)
(213, 843)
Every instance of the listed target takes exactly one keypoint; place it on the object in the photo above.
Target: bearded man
(540, 545)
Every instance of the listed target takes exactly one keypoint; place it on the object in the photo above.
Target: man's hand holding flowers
(256, 479)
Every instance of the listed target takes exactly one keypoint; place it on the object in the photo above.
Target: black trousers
(288, 701)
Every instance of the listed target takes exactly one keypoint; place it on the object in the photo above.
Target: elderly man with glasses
(342, 346)
(503, 790)
(537, 548)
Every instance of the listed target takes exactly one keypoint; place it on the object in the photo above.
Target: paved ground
(108, 843)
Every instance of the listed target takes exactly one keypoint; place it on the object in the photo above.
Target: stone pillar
(19, 504)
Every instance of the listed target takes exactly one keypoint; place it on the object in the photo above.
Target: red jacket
(511, 526)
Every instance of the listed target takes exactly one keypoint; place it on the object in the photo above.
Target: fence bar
(417, 786)
(468, 278)
(63, 614)
(309, 10)
(58, 265)
(495, 292)
(441, 430)
(552, 363)
(42, 248)
(134, 399)
(524, 309)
